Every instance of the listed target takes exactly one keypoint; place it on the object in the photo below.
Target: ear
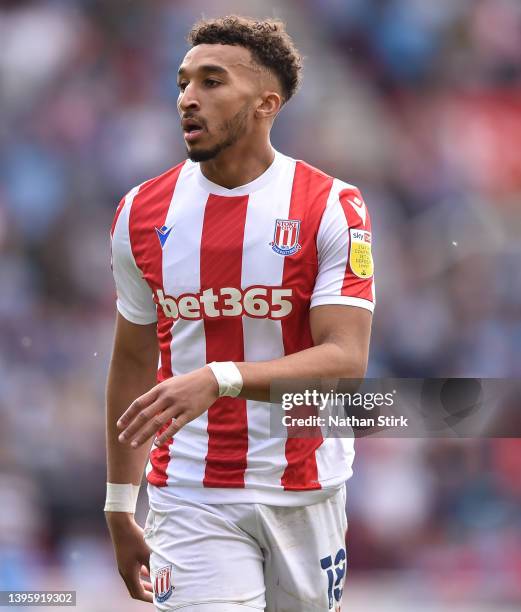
(270, 105)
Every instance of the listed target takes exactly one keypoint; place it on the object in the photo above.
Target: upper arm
(349, 328)
(136, 343)
(345, 264)
(135, 336)
(343, 297)
(134, 297)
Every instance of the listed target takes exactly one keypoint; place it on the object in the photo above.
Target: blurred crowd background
(417, 102)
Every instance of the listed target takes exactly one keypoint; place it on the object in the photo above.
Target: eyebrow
(205, 68)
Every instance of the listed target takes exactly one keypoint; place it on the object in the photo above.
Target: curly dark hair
(269, 43)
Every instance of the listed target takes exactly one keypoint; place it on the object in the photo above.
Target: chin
(202, 155)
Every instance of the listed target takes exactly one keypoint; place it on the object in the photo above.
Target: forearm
(127, 380)
(327, 360)
(341, 345)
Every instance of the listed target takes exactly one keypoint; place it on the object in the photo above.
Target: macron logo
(356, 203)
(163, 234)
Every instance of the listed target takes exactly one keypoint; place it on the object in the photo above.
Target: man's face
(218, 85)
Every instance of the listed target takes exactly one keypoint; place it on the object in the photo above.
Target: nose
(188, 100)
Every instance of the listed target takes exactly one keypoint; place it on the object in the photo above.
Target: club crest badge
(285, 238)
(360, 256)
(163, 583)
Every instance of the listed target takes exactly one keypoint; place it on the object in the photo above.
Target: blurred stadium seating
(417, 102)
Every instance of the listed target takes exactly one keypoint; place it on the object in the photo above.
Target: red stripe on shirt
(308, 201)
(277, 235)
(353, 285)
(149, 210)
(221, 266)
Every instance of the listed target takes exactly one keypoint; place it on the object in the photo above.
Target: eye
(211, 82)
(182, 85)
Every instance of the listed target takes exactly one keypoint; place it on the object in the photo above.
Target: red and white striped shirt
(231, 275)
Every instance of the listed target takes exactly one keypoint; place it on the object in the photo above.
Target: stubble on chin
(203, 155)
(232, 130)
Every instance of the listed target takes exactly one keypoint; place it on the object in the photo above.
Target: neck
(239, 164)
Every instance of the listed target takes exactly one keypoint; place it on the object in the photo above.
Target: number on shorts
(335, 575)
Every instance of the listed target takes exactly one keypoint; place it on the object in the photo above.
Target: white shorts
(240, 557)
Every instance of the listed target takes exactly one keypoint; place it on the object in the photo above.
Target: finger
(155, 424)
(139, 404)
(146, 582)
(148, 597)
(145, 563)
(135, 588)
(177, 422)
(145, 418)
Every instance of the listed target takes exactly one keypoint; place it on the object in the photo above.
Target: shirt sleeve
(345, 262)
(133, 295)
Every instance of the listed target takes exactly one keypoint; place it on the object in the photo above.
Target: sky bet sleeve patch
(360, 256)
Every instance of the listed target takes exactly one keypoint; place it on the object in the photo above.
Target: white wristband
(121, 498)
(228, 378)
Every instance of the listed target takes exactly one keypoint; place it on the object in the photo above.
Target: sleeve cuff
(133, 317)
(342, 299)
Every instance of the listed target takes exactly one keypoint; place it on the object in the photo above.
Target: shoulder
(326, 194)
(317, 173)
(305, 171)
(313, 176)
(310, 190)
(150, 188)
(344, 199)
(164, 180)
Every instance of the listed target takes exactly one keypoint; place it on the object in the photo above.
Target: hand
(177, 401)
(132, 554)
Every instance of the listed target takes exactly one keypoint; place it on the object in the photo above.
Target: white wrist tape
(228, 378)
(121, 498)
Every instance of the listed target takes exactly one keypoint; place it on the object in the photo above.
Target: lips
(192, 129)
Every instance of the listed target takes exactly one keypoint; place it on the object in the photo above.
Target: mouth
(192, 129)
